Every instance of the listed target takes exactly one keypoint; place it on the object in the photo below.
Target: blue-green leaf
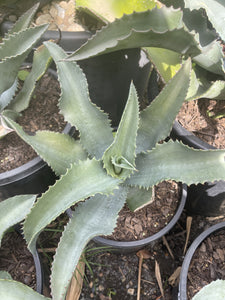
(96, 216)
(75, 105)
(178, 162)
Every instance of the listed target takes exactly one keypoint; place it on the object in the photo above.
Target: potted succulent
(207, 79)
(98, 170)
(213, 290)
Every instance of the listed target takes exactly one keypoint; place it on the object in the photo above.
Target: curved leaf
(13, 210)
(41, 61)
(119, 158)
(13, 54)
(200, 87)
(215, 10)
(157, 119)
(11, 290)
(138, 198)
(75, 105)
(7, 95)
(57, 149)
(162, 28)
(166, 62)
(96, 216)
(80, 182)
(25, 20)
(178, 162)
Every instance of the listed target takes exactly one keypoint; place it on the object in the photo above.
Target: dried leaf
(159, 279)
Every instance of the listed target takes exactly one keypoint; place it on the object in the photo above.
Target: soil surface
(42, 114)
(17, 260)
(207, 263)
(194, 116)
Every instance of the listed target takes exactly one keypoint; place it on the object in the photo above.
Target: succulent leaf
(96, 216)
(157, 119)
(211, 291)
(13, 210)
(5, 275)
(161, 28)
(138, 198)
(215, 10)
(41, 61)
(13, 54)
(75, 105)
(119, 158)
(166, 62)
(178, 162)
(7, 95)
(200, 87)
(57, 149)
(212, 58)
(18, 43)
(81, 181)
(11, 290)
(25, 20)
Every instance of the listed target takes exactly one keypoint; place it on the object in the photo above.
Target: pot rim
(134, 245)
(182, 293)
(178, 131)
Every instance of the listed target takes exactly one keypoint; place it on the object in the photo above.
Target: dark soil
(42, 114)
(208, 263)
(194, 117)
(17, 260)
(152, 218)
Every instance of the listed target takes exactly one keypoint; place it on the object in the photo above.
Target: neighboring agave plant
(14, 49)
(208, 74)
(212, 291)
(100, 172)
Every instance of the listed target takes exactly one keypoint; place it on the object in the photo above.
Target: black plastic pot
(109, 76)
(33, 177)
(133, 246)
(182, 294)
(203, 199)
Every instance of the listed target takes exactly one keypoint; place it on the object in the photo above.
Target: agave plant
(207, 80)
(101, 172)
(14, 49)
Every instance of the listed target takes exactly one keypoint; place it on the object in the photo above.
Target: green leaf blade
(13, 210)
(163, 110)
(77, 108)
(121, 153)
(59, 150)
(96, 216)
(25, 20)
(41, 61)
(215, 10)
(175, 161)
(13, 54)
(80, 182)
(161, 28)
(11, 290)
(138, 198)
